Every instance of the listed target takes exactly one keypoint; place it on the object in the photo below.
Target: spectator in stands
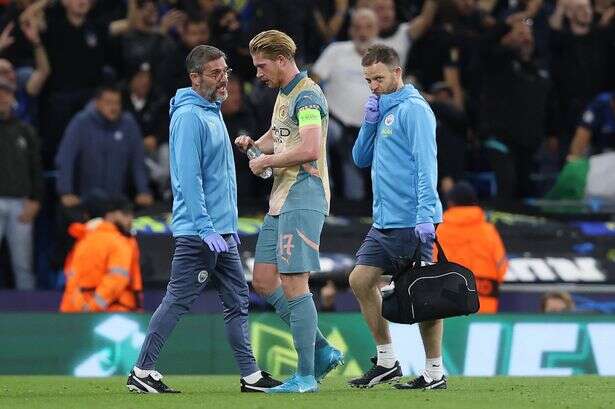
(468, 239)
(227, 34)
(401, 36)
(580, 53)
(295, 18)
(339, 70)
(102, 270)
(330, 20)
(450, 135)
(448, 46)
(75, 43)
(557, 302)
(262, 99)
(150, 109)
(173, 67)
(537, 10)
(21, 186)
(240, 120)
(19, 51)
(200, 9)
(146, 39)
(28, 81)
(514, 105)
(596, 130)
(102, 149)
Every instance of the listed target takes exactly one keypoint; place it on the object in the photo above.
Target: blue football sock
(303, 323)
(278, 301)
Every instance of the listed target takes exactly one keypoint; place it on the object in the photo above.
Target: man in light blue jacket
(398, 140)
(204, 225)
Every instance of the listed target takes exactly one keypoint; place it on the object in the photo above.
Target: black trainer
(264, 383)
(377, 375)
(150, 384)
(423, 382)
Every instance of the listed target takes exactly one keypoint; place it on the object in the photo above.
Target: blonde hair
(272, 44)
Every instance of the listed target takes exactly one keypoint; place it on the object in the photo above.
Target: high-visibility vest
(102, 270)
(468, 239)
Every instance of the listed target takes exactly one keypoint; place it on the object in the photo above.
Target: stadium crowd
(519, 87)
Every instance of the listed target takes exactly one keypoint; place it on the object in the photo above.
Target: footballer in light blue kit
(287, 249)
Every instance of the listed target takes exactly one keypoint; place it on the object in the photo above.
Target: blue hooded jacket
(96, 153)
(202, 168)
(401, 149)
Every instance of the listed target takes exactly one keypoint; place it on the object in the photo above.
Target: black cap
(462, 194)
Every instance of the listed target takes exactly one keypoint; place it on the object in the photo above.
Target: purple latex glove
(236, 237)
(425, 232)
(216, 243)
(372, 115)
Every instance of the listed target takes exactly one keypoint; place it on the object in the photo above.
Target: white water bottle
(253, 152)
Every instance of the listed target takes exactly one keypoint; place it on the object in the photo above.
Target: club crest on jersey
(202, 276)
(388, 121)
(283, 113)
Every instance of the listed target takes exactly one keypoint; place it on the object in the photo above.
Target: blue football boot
(326, 359)
(296, 384)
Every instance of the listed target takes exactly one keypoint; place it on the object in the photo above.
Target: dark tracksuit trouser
(193, 267)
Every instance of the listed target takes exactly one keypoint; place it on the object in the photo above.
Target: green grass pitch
(583, 392)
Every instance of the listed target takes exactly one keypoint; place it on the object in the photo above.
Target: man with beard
(287, 249)
(102, 270)
(204, 225)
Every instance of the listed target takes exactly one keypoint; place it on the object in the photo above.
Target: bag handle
(416, 258)
(441, 256)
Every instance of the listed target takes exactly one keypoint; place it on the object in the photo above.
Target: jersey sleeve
(309, 99)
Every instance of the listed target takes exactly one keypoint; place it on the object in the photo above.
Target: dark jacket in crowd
(20, 161)
(451, 139)
(515, 96)
(153, 118)
(580, 67)
(98, 154)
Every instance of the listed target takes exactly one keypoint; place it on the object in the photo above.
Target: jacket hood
(464, 215)
(388, 101)
(79, 230)
(96, 116)
(187, 96)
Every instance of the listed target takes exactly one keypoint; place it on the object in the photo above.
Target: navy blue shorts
(389, 248)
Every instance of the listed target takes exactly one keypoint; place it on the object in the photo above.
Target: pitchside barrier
(108, 344)
(545, 253)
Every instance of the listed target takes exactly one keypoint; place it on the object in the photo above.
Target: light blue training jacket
(202, 168)
(401, 149)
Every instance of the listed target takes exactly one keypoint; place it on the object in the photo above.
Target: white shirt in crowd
(400, 42)
(339, 68)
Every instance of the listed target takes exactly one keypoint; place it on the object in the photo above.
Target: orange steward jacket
(102, 270)
(468, 239)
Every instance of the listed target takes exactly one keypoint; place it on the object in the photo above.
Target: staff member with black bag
(398, 140)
